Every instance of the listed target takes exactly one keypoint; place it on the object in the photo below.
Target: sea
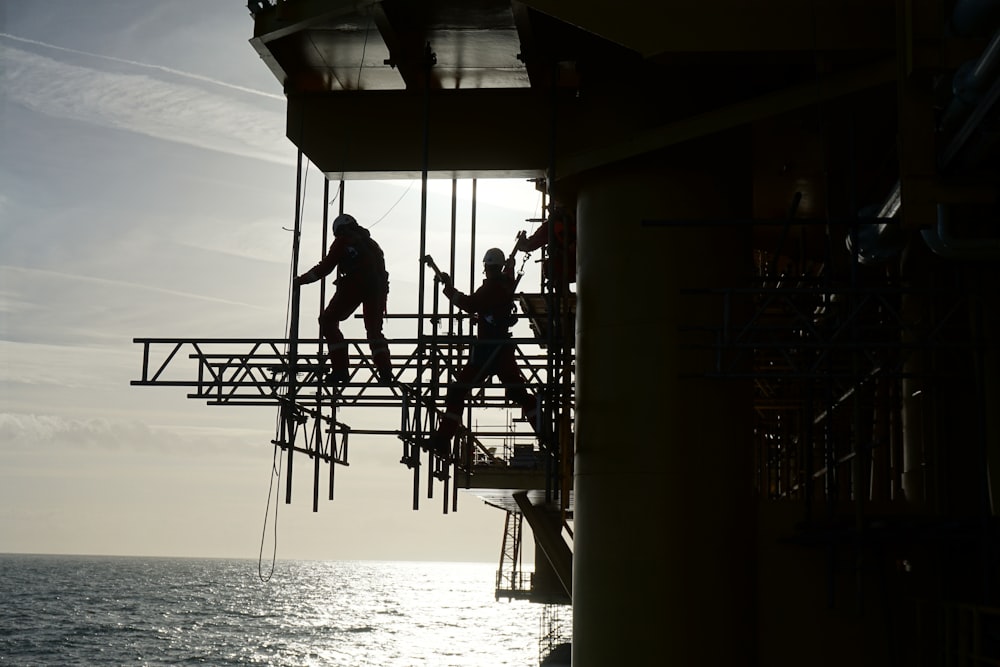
(100, 610)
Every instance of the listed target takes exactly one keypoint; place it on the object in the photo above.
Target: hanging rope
(275, 475)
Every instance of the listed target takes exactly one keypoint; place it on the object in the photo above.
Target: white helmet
(341, 221)
(494, 257)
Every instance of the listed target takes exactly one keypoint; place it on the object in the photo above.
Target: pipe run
(880, 241)
(970, 84)
(940, 239)
(974, 17)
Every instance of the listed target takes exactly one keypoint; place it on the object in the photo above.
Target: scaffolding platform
(538, 312)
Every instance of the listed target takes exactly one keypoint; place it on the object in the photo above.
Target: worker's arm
(489, 298)
(535, 241)
(448, 287)
(326, 265)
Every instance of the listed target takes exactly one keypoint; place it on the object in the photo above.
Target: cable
(408, 188)
(275, 474)
(279, 453)
(364, 46)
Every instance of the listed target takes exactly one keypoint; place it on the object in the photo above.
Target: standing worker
(361, 280)
(492, 354)
(559, 232)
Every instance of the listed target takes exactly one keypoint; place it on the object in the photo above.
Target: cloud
(65, 309)
(78, 373)
(260, 239)
(151, 290)
(18, 430)
(172, 110)
(134, 63)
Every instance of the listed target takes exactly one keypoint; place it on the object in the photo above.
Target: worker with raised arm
(559, 234)
(361, 281)
(492, 353)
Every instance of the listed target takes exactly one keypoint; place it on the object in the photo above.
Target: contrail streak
(135, 63)
(132, 285)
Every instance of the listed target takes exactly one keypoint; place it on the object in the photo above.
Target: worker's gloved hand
(522, 237)
(448, 288)
(304, 279)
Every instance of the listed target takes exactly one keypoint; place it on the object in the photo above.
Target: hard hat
(494, 257)
(342, 220)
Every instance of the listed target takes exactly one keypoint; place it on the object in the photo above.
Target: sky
(146, 190)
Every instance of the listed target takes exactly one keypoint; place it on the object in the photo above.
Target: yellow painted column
(664, 570)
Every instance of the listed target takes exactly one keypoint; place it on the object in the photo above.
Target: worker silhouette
(361, 280)
(559, 234)
(493, 352)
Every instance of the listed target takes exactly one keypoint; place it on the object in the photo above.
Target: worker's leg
(373, 309)
(344, 302)
(515, 385)
(455, 401)
(440, 441)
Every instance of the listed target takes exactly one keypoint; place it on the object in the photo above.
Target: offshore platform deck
(794, 438)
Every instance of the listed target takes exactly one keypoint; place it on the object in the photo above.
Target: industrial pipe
(940, 239)
(974, 17)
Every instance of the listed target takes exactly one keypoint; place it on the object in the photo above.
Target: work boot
(384, 375)
(337, 377)
(438, 445)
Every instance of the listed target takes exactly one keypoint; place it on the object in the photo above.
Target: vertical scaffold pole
(472, 244)
(288, 413)
(318, 420)
(468, 450)
(334, 454)
(547, 411)
(451, 249)
(451, 310)
(429, 59)
(550, 410)
(472, 287)
(434, 367)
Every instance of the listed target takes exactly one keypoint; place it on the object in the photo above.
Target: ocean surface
(98, 610)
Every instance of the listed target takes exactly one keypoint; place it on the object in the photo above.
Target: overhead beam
(407, 56)
(718, 120)
(529, 42)
(484, 133)
(497, 133)
(654, 28)
(286, 18)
